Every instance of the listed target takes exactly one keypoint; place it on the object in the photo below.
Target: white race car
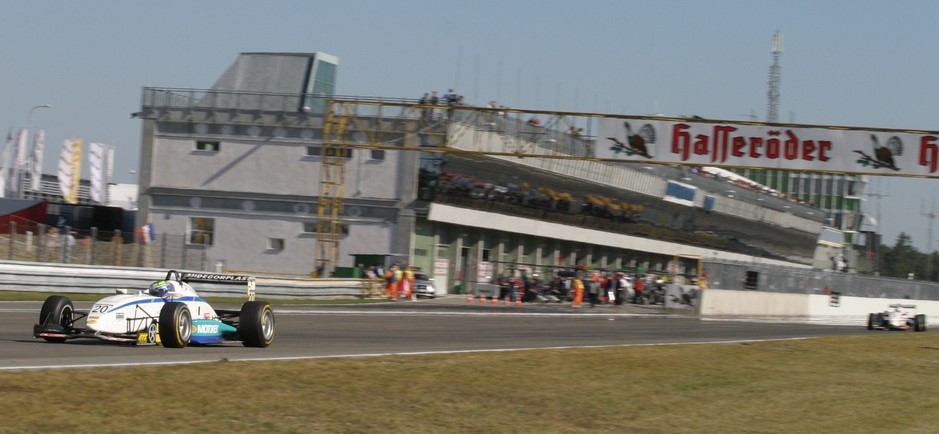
(897, 317)
(169, 312)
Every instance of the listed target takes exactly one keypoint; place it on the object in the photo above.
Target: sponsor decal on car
(206, 329)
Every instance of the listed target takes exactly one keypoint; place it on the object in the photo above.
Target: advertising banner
(812, 148)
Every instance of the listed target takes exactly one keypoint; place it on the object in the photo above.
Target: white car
(897, 317)
(424, 285)
(169, 312)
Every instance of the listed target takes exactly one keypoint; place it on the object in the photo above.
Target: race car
(897, 317)
(169, 312)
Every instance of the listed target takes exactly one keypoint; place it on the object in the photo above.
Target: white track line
(415, 353)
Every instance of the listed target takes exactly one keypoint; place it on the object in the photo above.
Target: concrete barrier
(827, 309)
(720, 302)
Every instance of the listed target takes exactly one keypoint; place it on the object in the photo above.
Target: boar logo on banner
(635, 143)
(882, 155)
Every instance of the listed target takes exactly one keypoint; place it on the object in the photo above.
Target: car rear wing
(905, 306)
(219, 278)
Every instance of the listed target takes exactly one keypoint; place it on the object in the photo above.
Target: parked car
(424, 285)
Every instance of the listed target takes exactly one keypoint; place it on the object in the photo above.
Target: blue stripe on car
(157, 300)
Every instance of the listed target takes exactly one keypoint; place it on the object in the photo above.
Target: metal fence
(33, 242)
(761, 277)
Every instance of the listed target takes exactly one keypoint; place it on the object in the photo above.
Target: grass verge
(883, 382)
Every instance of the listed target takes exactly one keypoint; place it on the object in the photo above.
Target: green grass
(876, 383)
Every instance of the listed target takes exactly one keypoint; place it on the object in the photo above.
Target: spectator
(391, 282)
(593, 288)
(425, 100)
(409, 283)
(399, 279)
(639, 287)
(450, 97)
(578, 285)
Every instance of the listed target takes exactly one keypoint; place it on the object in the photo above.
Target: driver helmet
(161, 288)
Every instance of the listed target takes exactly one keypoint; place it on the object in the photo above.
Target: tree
(902, 259)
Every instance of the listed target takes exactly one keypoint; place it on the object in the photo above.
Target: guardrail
(93, 279)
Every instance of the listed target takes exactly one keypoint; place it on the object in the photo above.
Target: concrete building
(238, 169)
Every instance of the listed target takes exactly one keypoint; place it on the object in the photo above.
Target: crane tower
(775, 77)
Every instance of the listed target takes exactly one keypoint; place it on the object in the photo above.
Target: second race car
(897, 317)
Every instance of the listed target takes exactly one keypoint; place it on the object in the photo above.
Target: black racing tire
(256, 324)
(871, 320)
(920, 321)
(57, 309)
(175, 325)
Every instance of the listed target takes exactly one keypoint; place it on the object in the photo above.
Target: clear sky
(852, 63)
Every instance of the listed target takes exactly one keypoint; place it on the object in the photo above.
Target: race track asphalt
(449, 324)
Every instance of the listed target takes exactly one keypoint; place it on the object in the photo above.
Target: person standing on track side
(409, 283)
(593, 288)
(399, 280)
(578, 287)
(391, 283)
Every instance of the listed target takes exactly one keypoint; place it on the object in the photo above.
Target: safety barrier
(90, 279)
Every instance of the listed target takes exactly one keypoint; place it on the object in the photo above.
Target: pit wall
(831, 309)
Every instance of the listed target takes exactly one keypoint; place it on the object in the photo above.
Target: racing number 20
(100, 308)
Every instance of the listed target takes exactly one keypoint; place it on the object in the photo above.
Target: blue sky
(852, 63)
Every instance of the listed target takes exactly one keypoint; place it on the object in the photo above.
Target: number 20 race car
(170, 313)
(897, 317)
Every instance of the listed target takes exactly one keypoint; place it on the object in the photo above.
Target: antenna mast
(775, 79)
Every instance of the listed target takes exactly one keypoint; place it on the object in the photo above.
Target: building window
(310, 228)
(377, 154)
(275, 244)
(420, 252)
(201, 231)
(317, 151)
(207, 146)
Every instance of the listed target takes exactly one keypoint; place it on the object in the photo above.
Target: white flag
(69, 172)
(97, 160)
(5, 162)
(19, 156)
(35, 175)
